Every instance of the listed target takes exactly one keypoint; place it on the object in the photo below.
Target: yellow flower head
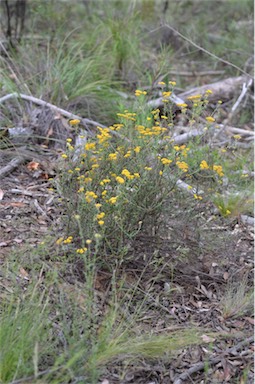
(90, 196)
(126, 173)
(112, 156)
(81, 250)
(138, 92)
(137, 149)
(204, 165)
(112, 200)
(182, 165)
(210, 119)
(167, 94)
(100, 215)
(59, 241)
(73, 122)
(90, 146)
(120, 180)
(68, 240)
(218, 169)
(166, 161)
(194, 97)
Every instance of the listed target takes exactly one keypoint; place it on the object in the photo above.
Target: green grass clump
(238, 300)
(23, 337)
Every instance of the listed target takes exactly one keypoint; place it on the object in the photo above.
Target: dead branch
(201, 366)
(184, 137)
(14, 163)
(158, 102)
(195, 73)
(43, 103)
(223, 89)
(245, 88)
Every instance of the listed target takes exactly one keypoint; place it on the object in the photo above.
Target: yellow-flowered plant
(126, 172)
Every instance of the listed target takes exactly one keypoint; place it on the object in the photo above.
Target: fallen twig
(26, 193)
(158, 102)
(195, 73)
(184, 137)
(14, 163)
(201, 366)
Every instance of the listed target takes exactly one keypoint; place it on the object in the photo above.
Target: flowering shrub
(124, 176)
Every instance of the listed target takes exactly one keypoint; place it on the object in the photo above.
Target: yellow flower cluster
(81, 250)
(204, 165)
(113, 156)
(166, 161)
(90, 196)
(153, 131)
(127, 115)
(137, 149)
(104, 135)
(90, 146)
(104, 181)
(112, 200)
(218, 169)
(182, 165)
(127, 174)
(100, 215)
(120, 180)
(167, 94)
(194, 97)
(117, 127)
(183, 149)
(61, 240)
(210, 119)
(138, 92)
(73, 122)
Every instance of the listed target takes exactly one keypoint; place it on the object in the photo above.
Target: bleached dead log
(43, 103)
(247, 220)
(221, 90)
